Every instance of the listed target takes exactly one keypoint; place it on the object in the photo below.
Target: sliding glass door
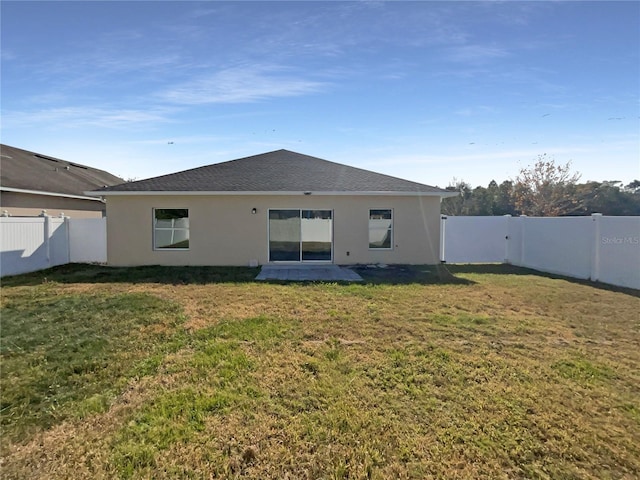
(317, 235)
(300, 235)
(284, 235)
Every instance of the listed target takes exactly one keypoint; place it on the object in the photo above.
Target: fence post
(47, 236)
(595, 253)
(507, 223)
(67, 232)
(443, 227)
(523, 243)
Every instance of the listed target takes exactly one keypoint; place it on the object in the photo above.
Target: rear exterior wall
(224, 231)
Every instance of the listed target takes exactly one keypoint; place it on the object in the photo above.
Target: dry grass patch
(509, 375)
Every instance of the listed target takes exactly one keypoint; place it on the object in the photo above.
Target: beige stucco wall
(223, 231)
(19, 204)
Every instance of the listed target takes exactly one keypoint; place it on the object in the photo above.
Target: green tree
(493, 200)
(608, 198)
(633, 187)
(545, 189)
(481, 202)
(457, 205)
(496, 199)
(504, 201)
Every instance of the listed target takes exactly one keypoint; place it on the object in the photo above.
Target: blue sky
(426, 91)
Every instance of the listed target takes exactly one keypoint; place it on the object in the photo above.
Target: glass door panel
(284, 235)
(317, 235)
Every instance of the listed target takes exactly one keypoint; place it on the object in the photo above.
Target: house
(279, 206)
(31, 182)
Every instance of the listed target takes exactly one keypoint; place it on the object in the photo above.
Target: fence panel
(88, 240)
(559, 245)
(22, 247)
(35, 243)
(619, 251)
(58, 242)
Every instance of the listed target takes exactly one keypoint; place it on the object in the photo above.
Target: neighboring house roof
(30, 172)
(277, 172)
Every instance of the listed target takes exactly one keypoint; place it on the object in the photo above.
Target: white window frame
(390, 229)
(172, 229)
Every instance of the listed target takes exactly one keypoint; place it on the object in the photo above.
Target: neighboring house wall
(223, 231)
(29, 205)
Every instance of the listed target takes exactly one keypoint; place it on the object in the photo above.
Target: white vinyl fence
(28, 244)
(605, 249)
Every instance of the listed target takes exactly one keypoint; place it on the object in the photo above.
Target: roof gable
(30, 171)
(279, 171)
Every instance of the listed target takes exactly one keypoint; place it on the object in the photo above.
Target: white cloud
(241, 84)
(85, 116)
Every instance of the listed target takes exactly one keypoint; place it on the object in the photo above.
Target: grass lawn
(202, 373)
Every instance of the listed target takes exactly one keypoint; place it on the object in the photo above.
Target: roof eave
(269, 193)
(49, 194)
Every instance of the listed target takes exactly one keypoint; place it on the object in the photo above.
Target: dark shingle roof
(27, 170)
(279, 171)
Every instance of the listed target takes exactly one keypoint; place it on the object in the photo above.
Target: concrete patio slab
(308, 273)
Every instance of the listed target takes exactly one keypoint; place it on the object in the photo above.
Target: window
(170, 228)
(381, 228)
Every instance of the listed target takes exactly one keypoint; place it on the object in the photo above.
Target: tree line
(546, 189)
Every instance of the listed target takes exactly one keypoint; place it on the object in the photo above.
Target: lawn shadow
(200, 275)
(91, 273)
(506, 269)
(440, 274)
(408, 274)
